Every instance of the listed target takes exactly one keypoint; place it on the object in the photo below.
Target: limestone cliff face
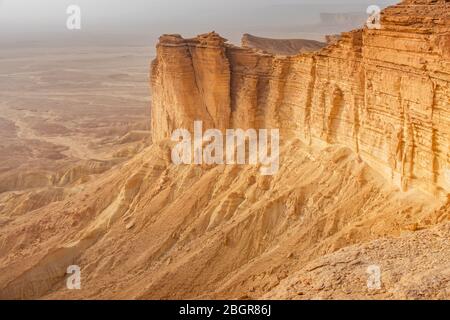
(190, 80)
(383, 93)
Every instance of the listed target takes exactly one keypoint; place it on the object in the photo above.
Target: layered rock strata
(383, 93)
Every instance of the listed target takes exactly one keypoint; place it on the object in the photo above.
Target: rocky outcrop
(383, 93)
(281, 46)
(190, 80)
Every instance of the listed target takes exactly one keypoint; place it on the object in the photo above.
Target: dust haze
(140, 22)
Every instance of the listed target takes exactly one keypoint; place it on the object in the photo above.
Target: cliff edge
(383, 93)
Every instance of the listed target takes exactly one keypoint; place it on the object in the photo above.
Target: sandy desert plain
(67, 113)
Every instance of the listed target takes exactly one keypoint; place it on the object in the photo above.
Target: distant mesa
(281, 46)
(352, 19)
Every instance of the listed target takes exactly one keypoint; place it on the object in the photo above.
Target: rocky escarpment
(383, 93)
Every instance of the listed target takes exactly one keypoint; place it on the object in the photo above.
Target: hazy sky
(25, 18)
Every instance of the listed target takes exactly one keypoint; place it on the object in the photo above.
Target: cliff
(384, 93)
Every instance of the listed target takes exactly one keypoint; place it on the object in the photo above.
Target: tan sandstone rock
(383, 93)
